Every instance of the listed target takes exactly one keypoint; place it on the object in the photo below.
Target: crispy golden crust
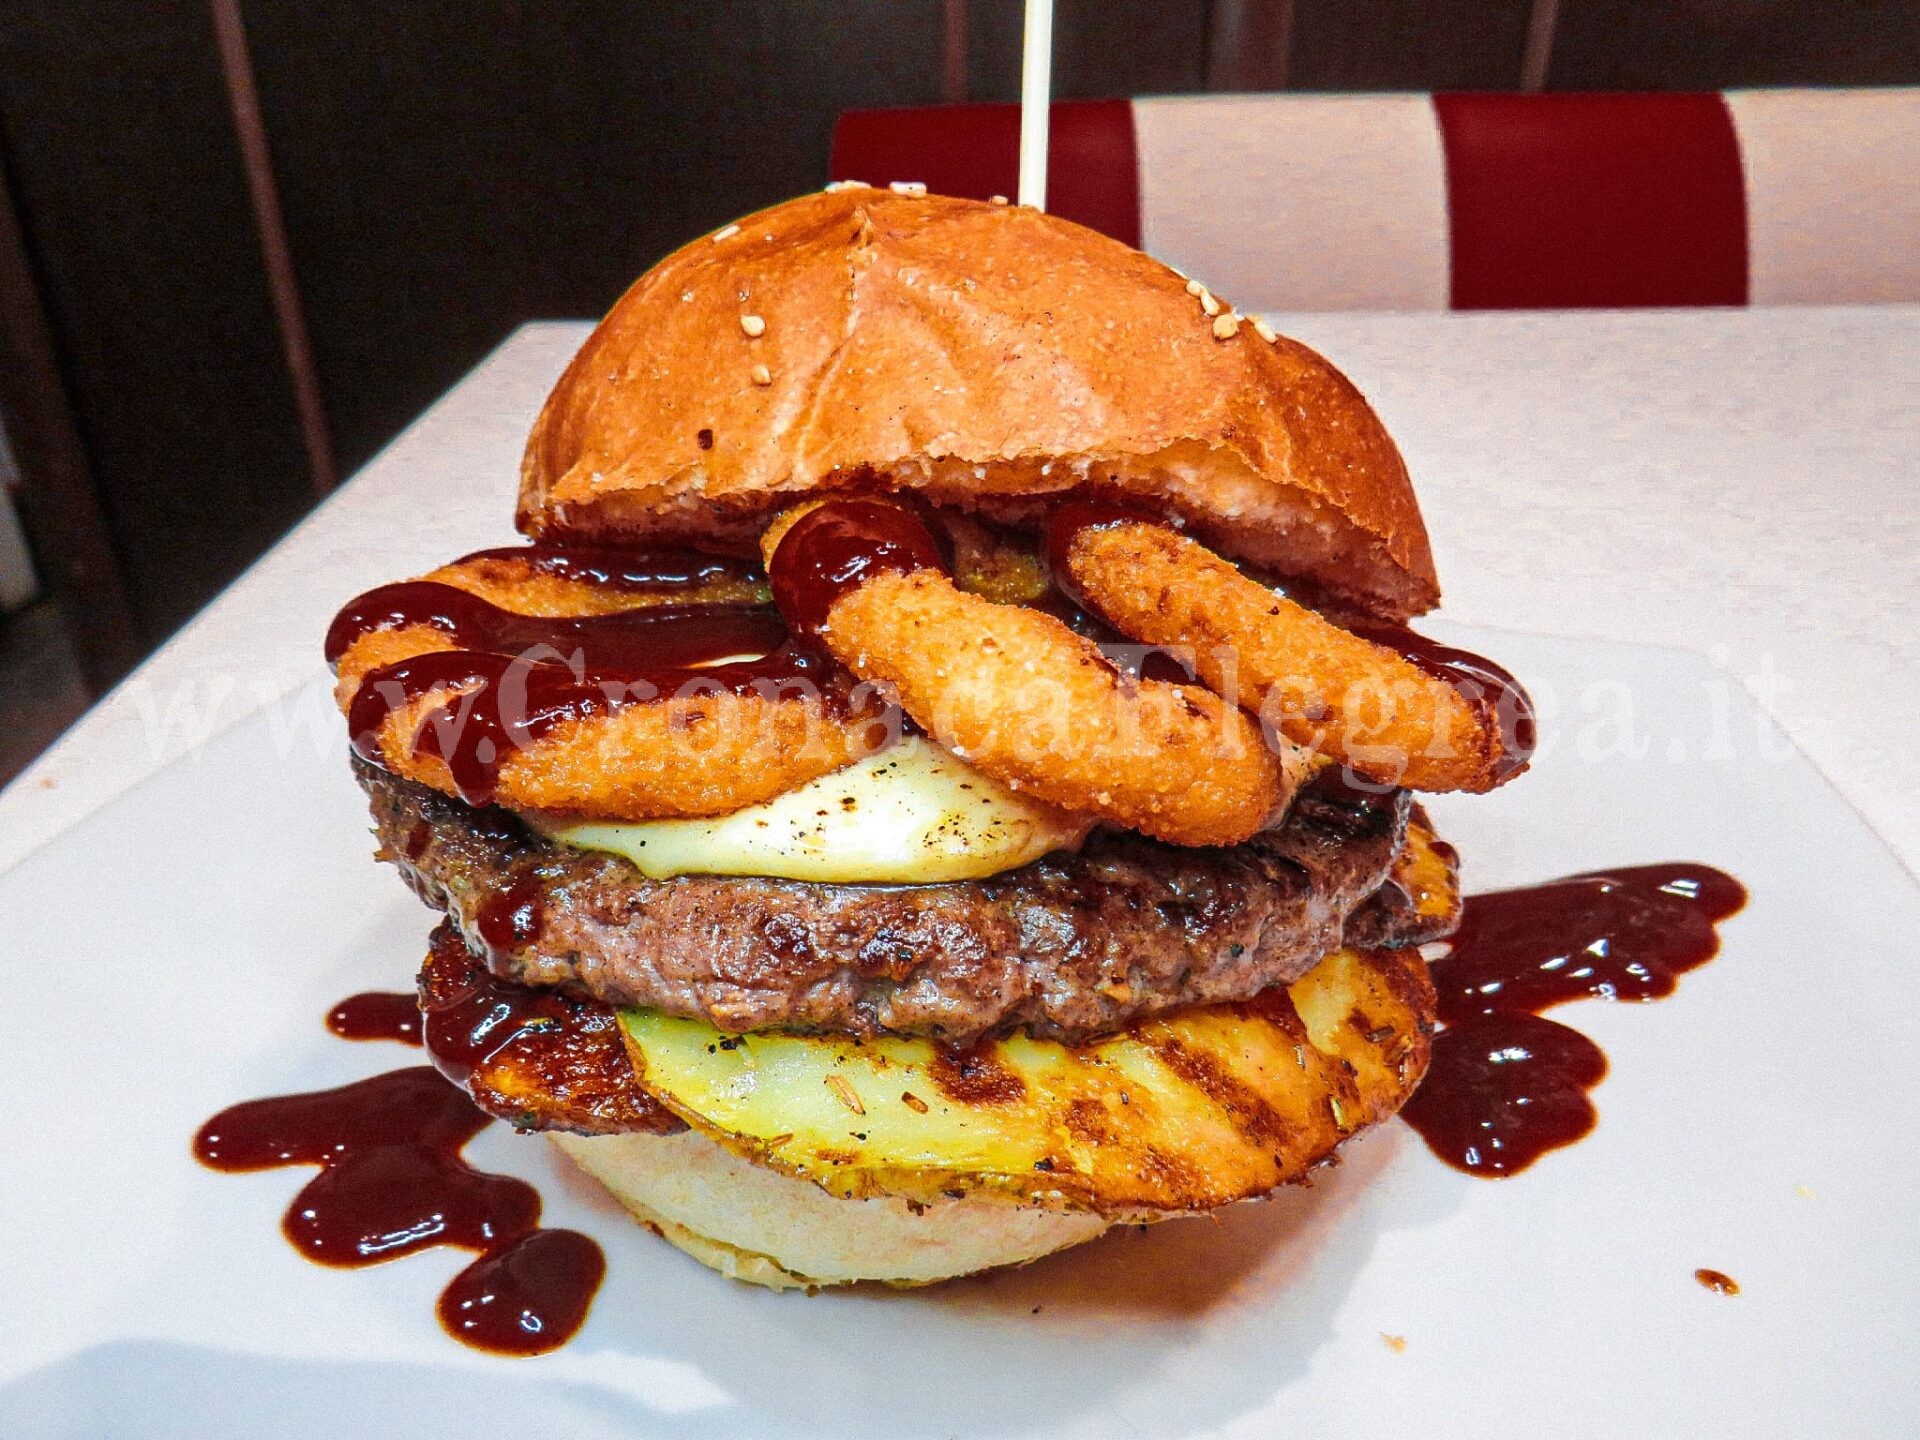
(706, 754)
(1325, 688)
(991, 357)
(1019, 695)
(709, 755)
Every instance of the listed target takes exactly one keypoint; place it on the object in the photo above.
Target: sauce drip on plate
(393, 1181)
(377, 1015)
(1506, 1085)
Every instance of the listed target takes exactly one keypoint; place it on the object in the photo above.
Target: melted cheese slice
(910, 815)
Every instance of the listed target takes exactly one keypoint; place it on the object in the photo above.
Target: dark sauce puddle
(392, 1181)
(377, 1015)
(1507, 1085)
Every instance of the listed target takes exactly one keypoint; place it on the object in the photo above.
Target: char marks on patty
(1071, 946)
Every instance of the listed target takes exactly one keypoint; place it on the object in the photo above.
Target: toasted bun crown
(989, 356)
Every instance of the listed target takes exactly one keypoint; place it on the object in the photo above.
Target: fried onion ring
(1359, 701)
(700, 749)
(1016, 693)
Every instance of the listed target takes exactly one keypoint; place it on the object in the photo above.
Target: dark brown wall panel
(61, 503)
(1717, 44)
(451, 168)
(134, 208)
(1408, 44)
(1101, 48)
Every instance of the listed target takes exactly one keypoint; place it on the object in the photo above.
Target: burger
(939, 783)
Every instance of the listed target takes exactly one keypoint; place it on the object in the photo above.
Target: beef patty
(1071, 946)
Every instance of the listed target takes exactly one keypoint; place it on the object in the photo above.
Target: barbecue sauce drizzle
(1507, 1085)
(377, 1015)
(523, 675)
(837, 547)
(513, 678)
(392, 1181)
(613, 567)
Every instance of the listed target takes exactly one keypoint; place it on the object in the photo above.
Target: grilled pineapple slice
(1185, 1113)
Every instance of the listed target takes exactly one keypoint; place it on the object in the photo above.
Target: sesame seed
(1265, 331)
(908, 187)
(1194, 287)
(1208, 303)
(998, 200)
(1226, 327)
(762, 375)
(753, 325)
(833, 185)
(727, 232)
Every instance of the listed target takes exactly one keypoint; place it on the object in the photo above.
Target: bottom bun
(755, 1224)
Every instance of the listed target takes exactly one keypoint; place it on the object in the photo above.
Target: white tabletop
(1741, 483)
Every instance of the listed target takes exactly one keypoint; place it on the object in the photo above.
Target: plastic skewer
(1036, 93)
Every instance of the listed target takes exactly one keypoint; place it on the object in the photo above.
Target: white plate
(176, 953)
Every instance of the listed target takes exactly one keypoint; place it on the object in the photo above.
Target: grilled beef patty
(1071, 946)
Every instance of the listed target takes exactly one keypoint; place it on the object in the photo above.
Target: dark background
(450, 168)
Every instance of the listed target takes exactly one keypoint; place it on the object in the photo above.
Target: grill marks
(1231, 1104)
(975, 1076)
(1250, 1114)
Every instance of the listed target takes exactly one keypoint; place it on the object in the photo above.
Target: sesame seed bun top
(988, 356)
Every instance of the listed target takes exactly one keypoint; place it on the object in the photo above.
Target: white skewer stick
(1036, 93)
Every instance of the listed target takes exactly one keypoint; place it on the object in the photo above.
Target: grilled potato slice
(1176, 1114)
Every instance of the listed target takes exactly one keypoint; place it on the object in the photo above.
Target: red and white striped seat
(1415, 202)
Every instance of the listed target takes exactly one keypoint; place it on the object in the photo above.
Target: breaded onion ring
(1015, 692)
(1359, 701)
(714, 740)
